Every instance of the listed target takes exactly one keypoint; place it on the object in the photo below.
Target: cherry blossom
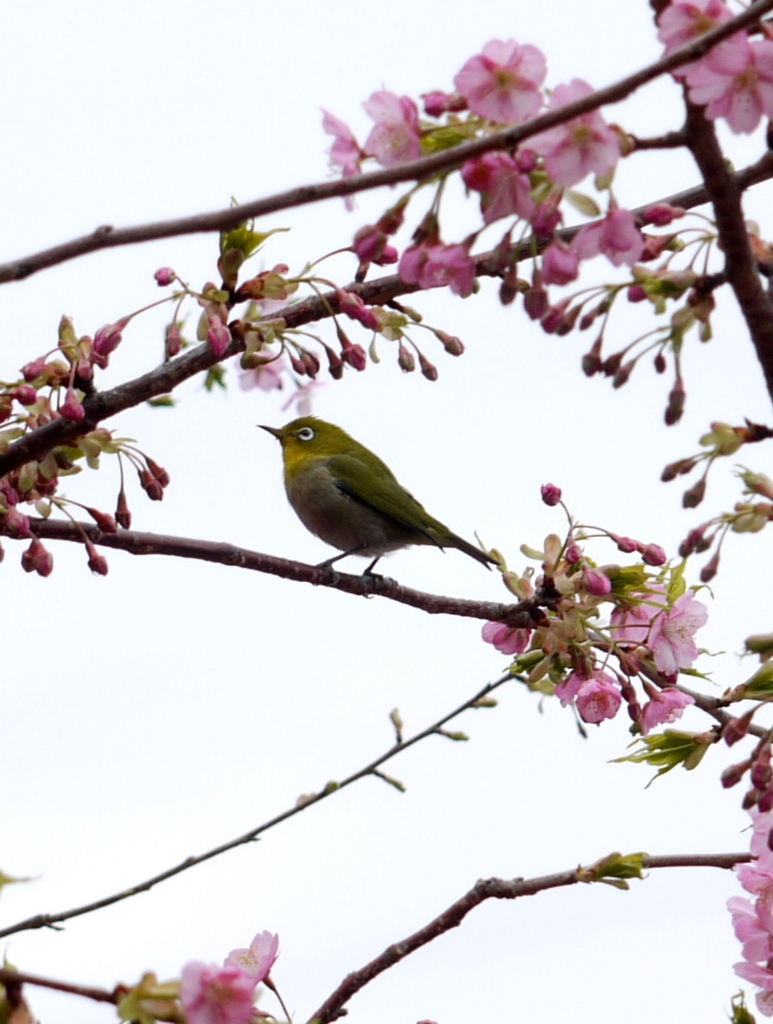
(560, 264)
(266, 376)
(598, 699)
(671, 638)
(735, 82)
(616, 236)
(682, 23)
(434, 265)
(503, 82)
(258, 959)
(505, 638)
(395, 137)
(580, 146)
(504, 190)
(345, 150)
(665, 706)
(211, 994)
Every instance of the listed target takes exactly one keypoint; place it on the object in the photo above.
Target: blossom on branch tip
(583, 145)
(211, 994)
(683, 22)
(345, 150)
(503, 83)
(735, 81)
(671, 638)
(616, 236)
(505, 638)
(395, 137)
(258, 959)
(434, 265)
(665, 706)
(596, 698)
(504, 190)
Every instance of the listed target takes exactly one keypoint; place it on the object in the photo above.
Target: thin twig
(109, 237)
(48, 920)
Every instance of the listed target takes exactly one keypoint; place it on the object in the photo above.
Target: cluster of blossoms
(650, 635)
(753, 918)
(207, 993)
(502, 87)
(54, 387)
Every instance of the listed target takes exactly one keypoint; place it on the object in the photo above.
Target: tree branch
(48, 920)
(524, 614)
(486, 889)
(740, 264)
(106, 237)
(165, 378)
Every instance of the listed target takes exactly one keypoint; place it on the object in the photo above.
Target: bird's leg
(369, 570)
(344, 554)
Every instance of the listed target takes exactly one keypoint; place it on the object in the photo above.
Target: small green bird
(346, 496)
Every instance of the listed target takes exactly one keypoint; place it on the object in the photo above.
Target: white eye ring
(305, 434)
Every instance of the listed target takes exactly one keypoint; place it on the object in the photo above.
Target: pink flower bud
(595, 582)
(653, 554)
(335, 365)
(123, 515)
(427, 368)
(218, 336)
(661, 214)
(452, 345)
(551, 494)
(150, 485)
(636, 293)
(37, 559)
(675, 406)
(573, 554)
(97, 562)
(109, 337)
(172, 341)
(164, 276)
(624, 543)
(71, 408)
(33, 370)
(25, 395)
(105, 522)
(16, 524)
(405, 359)
(709, 570)
(732, 775)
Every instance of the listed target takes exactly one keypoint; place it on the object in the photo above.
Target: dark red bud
(123, 515)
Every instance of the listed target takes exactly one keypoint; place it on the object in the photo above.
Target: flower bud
(653, 554)
(335, 365)
(694, 495)
(551, 495)
(675, 406)
(123, 515)
(595, 582)
(709, 570)
(105, 522)
(427, 368)
(164, 276)
(97, 563)
(218, 336)
(405, 359)
(172, 341)
(733, 774)
(71, 408)
(37, 559)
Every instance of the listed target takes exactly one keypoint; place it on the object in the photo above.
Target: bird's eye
(305, 434)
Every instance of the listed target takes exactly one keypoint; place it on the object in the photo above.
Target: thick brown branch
(136, 543)
(486, 889)
(108, 237)
(740, 264)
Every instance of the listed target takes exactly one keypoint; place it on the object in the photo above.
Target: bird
(344, 494)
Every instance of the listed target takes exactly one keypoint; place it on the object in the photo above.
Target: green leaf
(585, 205)
(668, 749)
(162, 402)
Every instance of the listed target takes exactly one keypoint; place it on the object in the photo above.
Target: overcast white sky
(171, 706)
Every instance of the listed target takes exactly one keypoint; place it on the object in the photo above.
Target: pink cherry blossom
(580, 146)
(258, 959)
(504, 190)
(735, 82)
(434, 265)
(266, 376)
(598, 699)
(568, 688)
(395, 137)
(506, 639)
(671, 638)
(757, 940)
(345, 150)
(665, 706)
(371, 245)
(616, 236)
(211, 994)
(560, 264)
(503, 82)
(682, 23)
(763, 978)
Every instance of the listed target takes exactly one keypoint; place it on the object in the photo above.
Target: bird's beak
(275, 431)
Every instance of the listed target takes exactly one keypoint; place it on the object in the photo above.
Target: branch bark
(107, 236)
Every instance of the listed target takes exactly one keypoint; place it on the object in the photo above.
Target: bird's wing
(377, 488)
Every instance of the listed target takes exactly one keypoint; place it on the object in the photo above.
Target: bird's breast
(338, 519)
